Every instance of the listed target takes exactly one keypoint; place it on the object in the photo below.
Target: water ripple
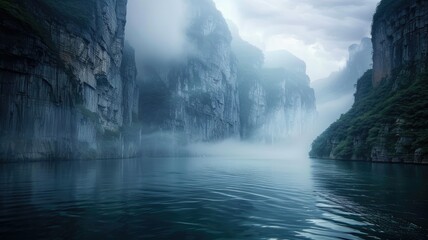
(212, 199)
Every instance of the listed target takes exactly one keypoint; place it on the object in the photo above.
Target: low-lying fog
(160, 32)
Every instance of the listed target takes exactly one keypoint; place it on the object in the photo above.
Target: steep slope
(195, 97)
(61, 85)
(388, 120)
(290, 103)
(276, 101)
(252, 95)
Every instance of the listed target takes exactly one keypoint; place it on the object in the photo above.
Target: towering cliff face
(196, 96)
(65, 91)
(399, 37)
(252, 95)
(275, 98)
(388, 119)
(291, 108)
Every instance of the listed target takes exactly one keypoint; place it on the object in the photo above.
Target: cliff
(387, 122)
(195, 97)
(65, 91)
(399, 37)
(290, 103)
(252, 95)
(276, 101)
(343, 82)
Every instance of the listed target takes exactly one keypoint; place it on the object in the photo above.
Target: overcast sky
(317, 31)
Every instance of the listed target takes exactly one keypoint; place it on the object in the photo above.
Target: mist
(213, 119)
(276, 105)
(330, 111)
(233, 148)
(271, 105)
(157, 29)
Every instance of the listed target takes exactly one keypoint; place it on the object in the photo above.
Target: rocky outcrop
(195, 97)
(290, 101)
(399, 37)
(65, 91)
(387, 122)
(276, 101)
(343, 82)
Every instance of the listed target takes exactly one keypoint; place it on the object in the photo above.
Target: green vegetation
(397, 108)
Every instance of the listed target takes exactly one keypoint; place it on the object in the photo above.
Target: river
(213, 198)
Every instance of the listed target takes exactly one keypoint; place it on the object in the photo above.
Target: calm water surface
(213, 198)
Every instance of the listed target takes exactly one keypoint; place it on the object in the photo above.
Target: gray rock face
(197, 96)
(387, 122)
(62, 90)
(275, 98)
(252, 95)
(290, 104)
(399, 37)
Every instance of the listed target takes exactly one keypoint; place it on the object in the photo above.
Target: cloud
(157, 28)
(319, 32)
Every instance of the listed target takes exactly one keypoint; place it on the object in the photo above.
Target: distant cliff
(197, 96)
(66, 81)
(343, 82)
(387, 122)
(276, 101)
(335, 94)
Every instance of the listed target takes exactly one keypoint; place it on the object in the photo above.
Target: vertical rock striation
(291, 108)
(276, 101)
(197, 96)
(252, 95)
(63, 85)
(387, 122)
(399, 37)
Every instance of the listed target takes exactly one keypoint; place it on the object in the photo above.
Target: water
(213, 198)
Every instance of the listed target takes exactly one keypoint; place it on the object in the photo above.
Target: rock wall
(399, 37)
(290, 104)
(197, 96)
(63, 85)
(276, 101)
(387, 122)
(252, 95)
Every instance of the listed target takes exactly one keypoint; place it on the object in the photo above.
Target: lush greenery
(398, 108)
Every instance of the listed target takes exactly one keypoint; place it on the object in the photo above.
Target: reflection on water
(212, 198)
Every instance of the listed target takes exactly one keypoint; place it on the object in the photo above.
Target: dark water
(213, 198)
